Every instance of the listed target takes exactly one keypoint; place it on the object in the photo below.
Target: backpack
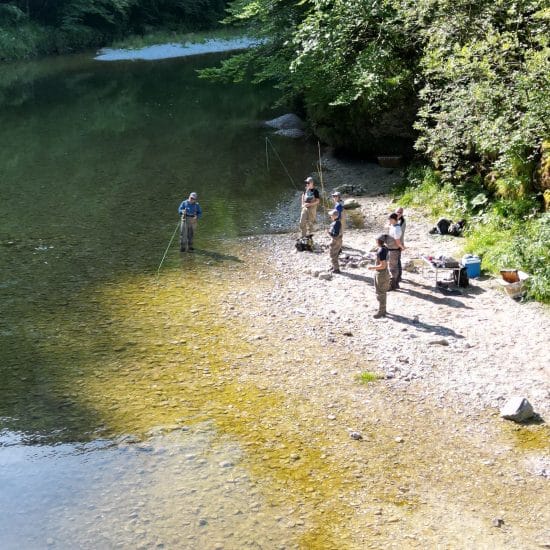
(460, 277)
(455, 229)
(443, 226)
(304, 243)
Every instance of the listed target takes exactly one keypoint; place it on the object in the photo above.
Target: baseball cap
(336, 193)
(309, 179)
(193, 195)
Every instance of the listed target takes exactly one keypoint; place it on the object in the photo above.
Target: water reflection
(94, 345)
(96, 158)
(183, 489)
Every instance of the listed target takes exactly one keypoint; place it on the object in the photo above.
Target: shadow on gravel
(535, 420)
(443, 300)
(357, 277)
(440, 330)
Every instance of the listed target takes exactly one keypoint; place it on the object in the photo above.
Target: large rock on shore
(517, 409)
(289, 121)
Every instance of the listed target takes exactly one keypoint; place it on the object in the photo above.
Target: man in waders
(393, 242)
(190, 211)
(310, 200)
(381, 276)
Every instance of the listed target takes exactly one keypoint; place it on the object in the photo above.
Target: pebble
(355, 435)
(498, 522)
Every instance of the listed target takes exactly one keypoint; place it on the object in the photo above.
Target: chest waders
(184, 241)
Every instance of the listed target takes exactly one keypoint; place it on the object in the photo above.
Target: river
(107, 436)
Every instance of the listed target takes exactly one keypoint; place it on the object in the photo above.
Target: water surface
(117, 425)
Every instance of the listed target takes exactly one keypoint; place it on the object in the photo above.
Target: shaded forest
(37, 27)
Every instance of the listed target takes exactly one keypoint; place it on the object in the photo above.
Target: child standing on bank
(381, 276)
(335, 232)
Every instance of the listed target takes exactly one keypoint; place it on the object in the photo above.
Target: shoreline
(430, 436)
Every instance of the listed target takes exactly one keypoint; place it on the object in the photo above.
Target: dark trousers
(394, 265)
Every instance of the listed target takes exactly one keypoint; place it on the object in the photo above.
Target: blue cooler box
(472, 265)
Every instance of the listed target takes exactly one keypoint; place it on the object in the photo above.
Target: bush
(25, 41)
(505, 233)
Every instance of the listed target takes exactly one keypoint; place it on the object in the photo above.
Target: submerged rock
(294, 133)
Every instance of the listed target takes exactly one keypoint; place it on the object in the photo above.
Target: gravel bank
(475, 348)
(433, 465)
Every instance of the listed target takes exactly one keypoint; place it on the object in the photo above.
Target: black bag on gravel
(305, 244)
(461, 278)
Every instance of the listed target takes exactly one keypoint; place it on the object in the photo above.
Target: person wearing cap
(335, 233)
(310, 201)
(190, 211)
(381, 276)
(339, 207)
(393, 242)
(401, 222)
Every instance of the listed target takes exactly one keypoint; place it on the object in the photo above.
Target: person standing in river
(190, 211)
(310, 201)
(381, 276)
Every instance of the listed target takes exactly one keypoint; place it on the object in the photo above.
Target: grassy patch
(366, 377)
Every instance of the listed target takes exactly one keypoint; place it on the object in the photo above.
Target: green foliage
(423, 188)
(25, 40)
(344, 62)
(31, 27)
(11, 15)
(485, 100)
(505, 233)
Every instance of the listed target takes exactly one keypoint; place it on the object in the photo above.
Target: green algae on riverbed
(130, 357)
(530, 437)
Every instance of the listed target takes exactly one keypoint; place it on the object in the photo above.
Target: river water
(108, 438)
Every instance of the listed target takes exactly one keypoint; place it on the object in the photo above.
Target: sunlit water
(117, 426)
(167, 51)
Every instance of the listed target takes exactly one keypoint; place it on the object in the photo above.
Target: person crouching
(381, 277)
(335, 233)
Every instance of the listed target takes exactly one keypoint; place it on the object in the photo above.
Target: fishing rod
(320, 170)
(267, 140)
(167, 248)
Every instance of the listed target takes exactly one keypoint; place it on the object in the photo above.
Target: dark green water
(94, 159)
(111, 430)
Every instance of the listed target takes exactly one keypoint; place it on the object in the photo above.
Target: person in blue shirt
(339, 207)
(190, 211)
(335, 233)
